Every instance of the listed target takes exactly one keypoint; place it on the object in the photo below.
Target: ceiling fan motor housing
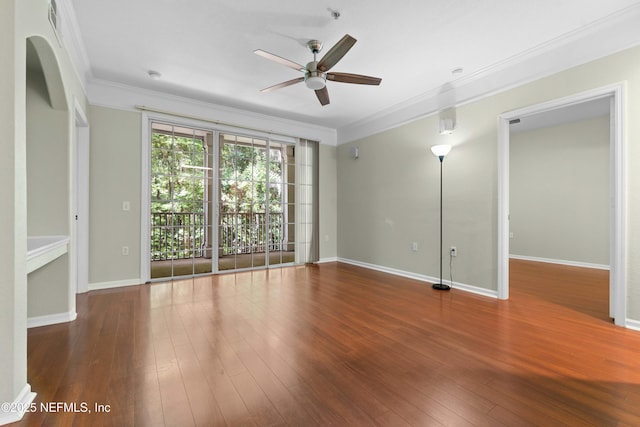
(313, 78)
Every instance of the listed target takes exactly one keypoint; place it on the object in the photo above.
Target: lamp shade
(440, 150)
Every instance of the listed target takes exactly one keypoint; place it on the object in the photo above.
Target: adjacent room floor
(335, 344)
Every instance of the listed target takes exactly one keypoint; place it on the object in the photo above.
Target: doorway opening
(559, 207)
(617, 215)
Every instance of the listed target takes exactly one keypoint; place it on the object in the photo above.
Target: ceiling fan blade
(353, 78)
(283, 84)
(279, 59)
(336, 53)
(323, 95)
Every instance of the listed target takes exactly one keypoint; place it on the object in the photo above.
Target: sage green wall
(13, 224)
(47, 194)
(559, 192)
(47, 289)
(388, 197)
(115, 161)
(328, 200)
(47, 162)
(116, 177)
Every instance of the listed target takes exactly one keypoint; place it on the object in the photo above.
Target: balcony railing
(177, 235)
(184, 235)
(245, 233)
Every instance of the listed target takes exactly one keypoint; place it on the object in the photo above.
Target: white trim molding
(18, 407)
(561, 262)
(115, 284)
(633, 324)
(73, 43)
(421, 277)
(80, 205)
(327, 260)
(103, 93)
(51, 319)
(145, 198)
(70, 36)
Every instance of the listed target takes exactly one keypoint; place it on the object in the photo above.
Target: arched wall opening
(48, 181)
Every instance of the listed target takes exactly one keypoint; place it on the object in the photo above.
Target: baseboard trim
(326, 260)
(115, 284)
(51, 319)
(632, 324)
(19, 406)
(421, 277)
(561, 262)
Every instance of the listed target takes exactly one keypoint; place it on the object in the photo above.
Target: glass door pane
(180, 189)
(252, 202)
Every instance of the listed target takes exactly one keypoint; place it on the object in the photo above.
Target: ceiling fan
(316, 72)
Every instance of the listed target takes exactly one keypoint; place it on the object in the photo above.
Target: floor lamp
(440, 151)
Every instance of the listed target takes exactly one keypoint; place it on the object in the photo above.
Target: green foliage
(178, 195)
(174, 187)
(243, 179)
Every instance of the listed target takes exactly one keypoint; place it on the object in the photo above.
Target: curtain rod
(217, 122)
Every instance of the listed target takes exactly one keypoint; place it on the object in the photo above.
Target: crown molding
(75, 47)
(123, 97)
(604, 37)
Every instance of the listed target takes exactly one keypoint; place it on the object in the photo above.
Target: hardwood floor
(339, 345)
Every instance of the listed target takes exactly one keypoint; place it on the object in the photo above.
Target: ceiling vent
(55, 19)
(53, 14)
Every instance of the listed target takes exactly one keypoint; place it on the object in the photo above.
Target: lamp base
(441, 286)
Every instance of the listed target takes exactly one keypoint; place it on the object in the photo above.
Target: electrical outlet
(414, 246)
(453, 251)
(125, 250)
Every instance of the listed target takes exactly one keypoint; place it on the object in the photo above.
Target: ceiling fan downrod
(313, 78)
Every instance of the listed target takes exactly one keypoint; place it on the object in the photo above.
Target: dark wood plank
(336, 344)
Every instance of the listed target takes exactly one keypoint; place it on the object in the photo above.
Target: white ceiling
(582, 111)
(204, 48)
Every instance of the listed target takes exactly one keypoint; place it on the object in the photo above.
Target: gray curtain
(307, 210)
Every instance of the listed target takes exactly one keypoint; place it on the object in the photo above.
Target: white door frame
(145, 178)
(145, 199)
(81, 198)
(618, 185)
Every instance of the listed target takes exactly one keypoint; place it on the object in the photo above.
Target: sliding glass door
(256, 216)
(222, 201)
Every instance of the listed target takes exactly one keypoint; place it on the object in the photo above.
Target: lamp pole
(440, 151)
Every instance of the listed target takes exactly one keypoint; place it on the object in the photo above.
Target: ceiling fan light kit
(313, 78)
(316, 73)
(315, 82)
